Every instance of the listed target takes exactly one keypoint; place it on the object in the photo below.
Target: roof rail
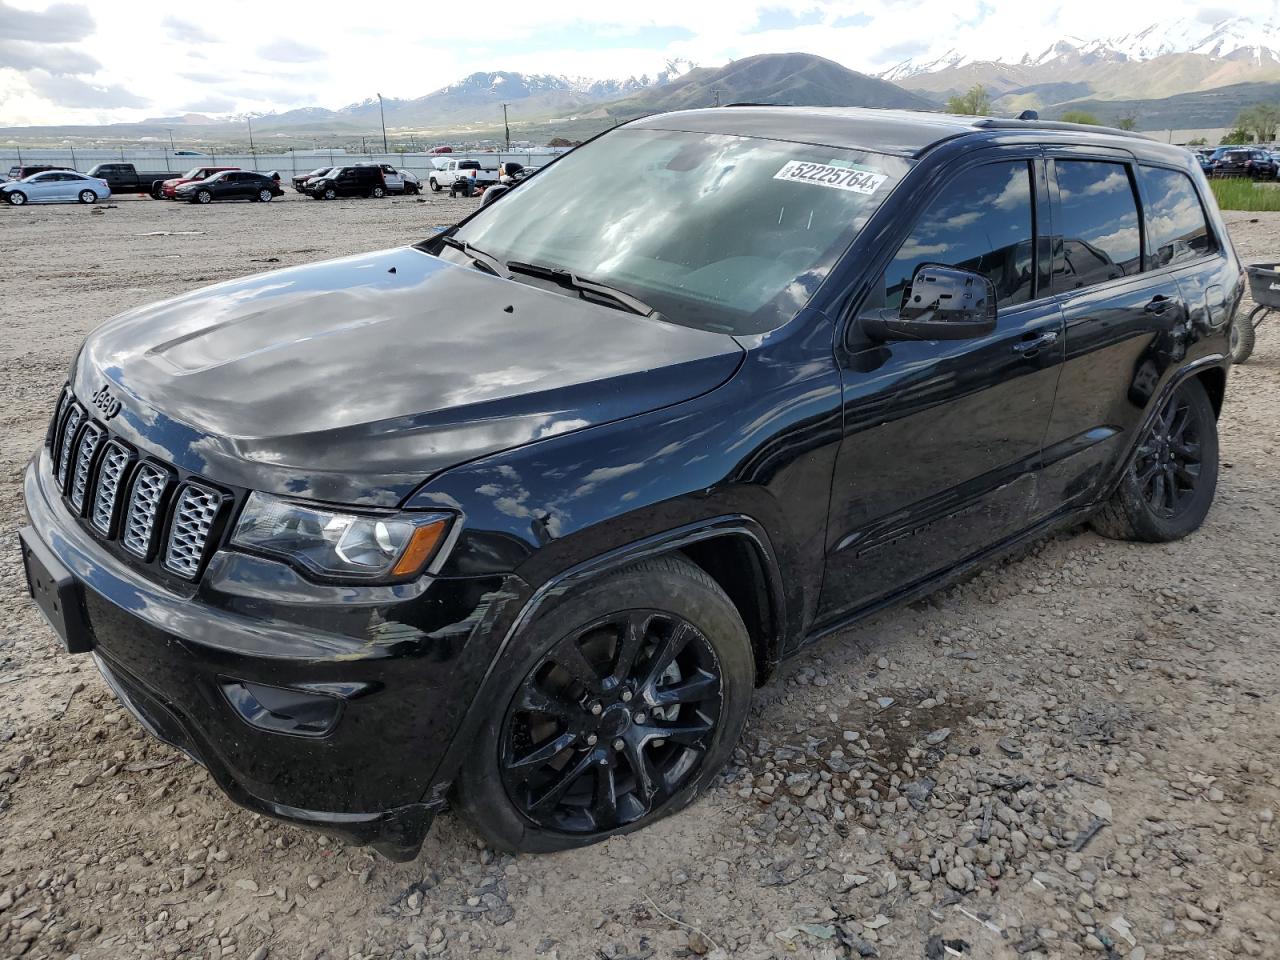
(998, 123)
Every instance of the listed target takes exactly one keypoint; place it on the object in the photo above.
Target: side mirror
(942, 303)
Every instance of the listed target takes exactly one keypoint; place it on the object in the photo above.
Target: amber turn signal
(422, 547)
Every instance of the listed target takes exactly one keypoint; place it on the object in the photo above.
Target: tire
(17, 198)
(264, 196)
(330, 193)
(377, 193)
(650, 602)
(1142, 507)
(1244, 336)
(157, 193)
(204, 196)
(87, 197)
(435, 187)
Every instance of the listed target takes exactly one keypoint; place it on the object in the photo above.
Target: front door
(942, 439)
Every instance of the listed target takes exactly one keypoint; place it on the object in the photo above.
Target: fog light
(280, 710)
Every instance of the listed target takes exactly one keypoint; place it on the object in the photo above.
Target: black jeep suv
(519, 516)
(357, 181)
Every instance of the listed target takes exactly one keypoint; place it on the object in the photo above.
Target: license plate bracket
(55, 591)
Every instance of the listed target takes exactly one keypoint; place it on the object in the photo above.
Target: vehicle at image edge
(22, 172)
(349, 181)
(126, 178)
(169, 189)
(519, 516)
(1243, 162)
(54, 186)
(300, 181)
(444, 172)
(230, 185)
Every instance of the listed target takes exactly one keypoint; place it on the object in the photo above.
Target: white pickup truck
(447, 171)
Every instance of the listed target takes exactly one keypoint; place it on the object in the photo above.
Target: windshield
(193, 174)
(725, 233)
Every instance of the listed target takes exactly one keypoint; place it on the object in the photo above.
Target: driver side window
(983, 222)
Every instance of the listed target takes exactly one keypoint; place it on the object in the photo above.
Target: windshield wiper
(591, 288)
(479, 257)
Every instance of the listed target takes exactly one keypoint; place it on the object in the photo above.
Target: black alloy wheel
(1169, 485)
(1167, 462)
(616, 718)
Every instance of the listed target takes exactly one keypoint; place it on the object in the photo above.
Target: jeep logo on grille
(107, 405)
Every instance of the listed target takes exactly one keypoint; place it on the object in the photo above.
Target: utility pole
(249, 121)
(171, 146)
(382, 113)
(716, 93)
(506, 127)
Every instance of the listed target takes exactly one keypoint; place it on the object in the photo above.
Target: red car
(169, 187)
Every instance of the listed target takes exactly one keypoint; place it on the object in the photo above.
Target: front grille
(197, 508)
(90, 440)
(149, 485)
(127, 499)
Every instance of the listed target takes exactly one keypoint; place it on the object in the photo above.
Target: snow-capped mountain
(1236, 38)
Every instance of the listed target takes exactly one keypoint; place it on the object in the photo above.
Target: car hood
(355, 380)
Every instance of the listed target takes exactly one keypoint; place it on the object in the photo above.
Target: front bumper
(401, 665)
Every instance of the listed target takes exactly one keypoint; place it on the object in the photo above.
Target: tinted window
(1099, 238)
(981, 222)
(1176, 224)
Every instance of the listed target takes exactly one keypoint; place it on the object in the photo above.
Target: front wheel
(1244, 335)
(17, 198)
(88, 196)
(1169, 484)
(330, 194)
(204, 196)
(435, 186)
(625, 704)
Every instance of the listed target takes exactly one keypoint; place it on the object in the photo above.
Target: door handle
(1035, 342)
(1159, 304)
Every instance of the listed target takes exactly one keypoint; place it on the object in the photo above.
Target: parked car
(1244, 162)
(300, 181)
(396, 181)
(126, 178)
(446, 172)
(22, 172)
(518, 517)
(55, 186)
(169, 189)
(352, 181)
(230, 185)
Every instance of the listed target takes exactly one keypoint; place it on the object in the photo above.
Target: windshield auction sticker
(843, 177)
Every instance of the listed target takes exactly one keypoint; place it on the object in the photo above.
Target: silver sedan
(55, 186)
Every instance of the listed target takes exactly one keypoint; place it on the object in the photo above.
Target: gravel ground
(1073, 754)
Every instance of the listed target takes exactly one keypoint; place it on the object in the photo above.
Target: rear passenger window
(1097, 238)
(982, 222)
(1176, 224)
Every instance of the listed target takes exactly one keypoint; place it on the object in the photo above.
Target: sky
(117, 60)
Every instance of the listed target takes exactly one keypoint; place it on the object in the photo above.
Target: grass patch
(1242, 194)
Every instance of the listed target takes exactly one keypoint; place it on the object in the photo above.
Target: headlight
(347, 546)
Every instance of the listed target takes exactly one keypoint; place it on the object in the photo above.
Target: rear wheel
(1244, 336)
(17, 198)
(627, 702)
(264, 196)
(1169, 485)
(88, 196)
(377, 193)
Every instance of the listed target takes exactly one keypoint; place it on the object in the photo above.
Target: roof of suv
(904, 133)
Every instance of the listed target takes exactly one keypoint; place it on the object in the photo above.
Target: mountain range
(1179, 74)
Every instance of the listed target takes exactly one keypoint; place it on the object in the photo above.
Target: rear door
(1119, 316)
(942, 439)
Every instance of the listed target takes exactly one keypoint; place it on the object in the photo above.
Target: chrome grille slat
(144, 508)
(75, 416)
(193, 514)
(115, 462)
(87, 449)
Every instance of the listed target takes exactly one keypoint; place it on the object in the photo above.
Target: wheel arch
(1214, 380)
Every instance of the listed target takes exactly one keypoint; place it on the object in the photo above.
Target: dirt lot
(1074, 754)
